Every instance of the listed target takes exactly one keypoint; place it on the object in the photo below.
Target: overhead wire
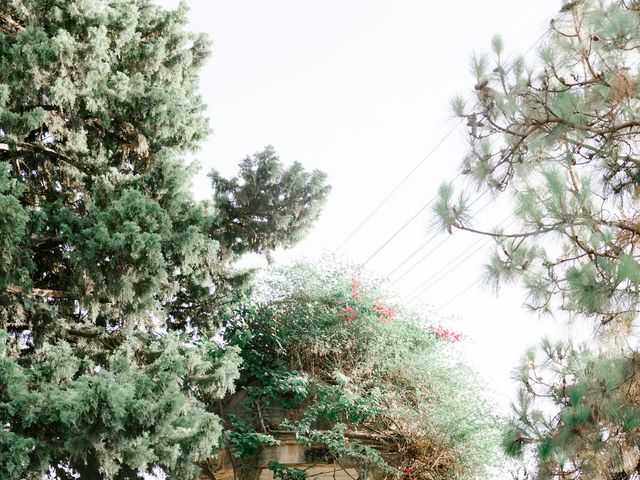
(413, 254)
(399, 185)
(405, 225)
(426, 205)
(477, 281)
(452, 266)
(448, 269)
(459, 294)
(430, 252)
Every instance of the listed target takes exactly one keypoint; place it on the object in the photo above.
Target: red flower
(347, 312)
(442, 333)
(407, 473)
(385, 314)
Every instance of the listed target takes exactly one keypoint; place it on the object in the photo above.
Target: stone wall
(316, 461)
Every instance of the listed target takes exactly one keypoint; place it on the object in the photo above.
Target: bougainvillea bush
(326, 355)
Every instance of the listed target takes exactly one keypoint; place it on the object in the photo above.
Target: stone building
(315, 461)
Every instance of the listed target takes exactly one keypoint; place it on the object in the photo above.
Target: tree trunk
(89, 470)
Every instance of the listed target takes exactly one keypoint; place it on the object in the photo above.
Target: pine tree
(112, 277)
(559, 138)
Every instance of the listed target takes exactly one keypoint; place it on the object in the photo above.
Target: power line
(394, 235)
(460, 262)
(460, 293)
(406, 224)
(445, 239)
(413, 254)
(397, 187)
(449, 267)
(477, 281)
(442, 242)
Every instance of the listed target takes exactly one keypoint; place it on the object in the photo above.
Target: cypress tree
(112, 277)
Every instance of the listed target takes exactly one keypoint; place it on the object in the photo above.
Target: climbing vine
(329, 358)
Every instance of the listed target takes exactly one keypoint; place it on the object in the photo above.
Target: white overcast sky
(360, 89)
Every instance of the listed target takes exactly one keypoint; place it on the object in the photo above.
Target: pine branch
(550, 228)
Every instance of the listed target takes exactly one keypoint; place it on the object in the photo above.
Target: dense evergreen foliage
(276, 205)
(329, 358)
(560, 139)
(112, 277)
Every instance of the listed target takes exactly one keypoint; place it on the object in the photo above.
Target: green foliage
(13, 227)
(512, 441)
(243, 440)
(589, 399)
(278, 205)
(283, 472)
(321, 361)
(121, 412)
(560, 137)
(113, 279)
(451, 211)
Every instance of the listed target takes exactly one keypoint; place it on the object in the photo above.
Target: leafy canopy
(326, 356)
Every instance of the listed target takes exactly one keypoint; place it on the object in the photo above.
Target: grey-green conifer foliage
(561, 137)
(112, 277)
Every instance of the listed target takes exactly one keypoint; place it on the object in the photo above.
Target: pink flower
(347, 312)
(385, 314)
(442, 333)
